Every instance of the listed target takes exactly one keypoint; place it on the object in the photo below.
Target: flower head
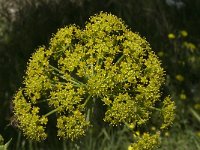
(168, 112)
(103, 63)
(32, 125)
(73, 126)
(146, 142)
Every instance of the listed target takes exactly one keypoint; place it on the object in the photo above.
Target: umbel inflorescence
(105, 62)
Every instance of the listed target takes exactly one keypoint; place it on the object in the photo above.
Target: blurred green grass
(108, 139)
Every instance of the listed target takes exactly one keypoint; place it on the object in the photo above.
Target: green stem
(54, 68)
(43, 100)
(194, 113)
(54, 52)
(154, 108)
(99, 62)
(73, 80)
(86, 101)
(51, 112)
(120, 59)
(79, 82)
(30, 144)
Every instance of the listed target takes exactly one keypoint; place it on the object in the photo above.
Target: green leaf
(194, 113)
(5, 147)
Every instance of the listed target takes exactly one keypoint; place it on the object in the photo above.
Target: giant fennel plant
(104, 62)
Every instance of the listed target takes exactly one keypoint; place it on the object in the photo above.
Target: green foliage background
(27, 24)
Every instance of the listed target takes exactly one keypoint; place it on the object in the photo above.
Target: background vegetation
(170, 26)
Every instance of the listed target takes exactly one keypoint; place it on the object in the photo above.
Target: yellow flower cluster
(105, 62)
(37, 80)
(190, 46)
(146, 142)
(73, 126)
(28, 119)
(168, 112)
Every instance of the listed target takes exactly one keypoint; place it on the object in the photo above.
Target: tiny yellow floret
(171, 36)
(184, 33)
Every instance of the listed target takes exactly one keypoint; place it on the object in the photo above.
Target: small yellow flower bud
(171, 36)
(179, 77)
(160, 53)
(198, 133)
(167, 134)
(184, 33)
(183, 96)
(197, 106)
(153, 128)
